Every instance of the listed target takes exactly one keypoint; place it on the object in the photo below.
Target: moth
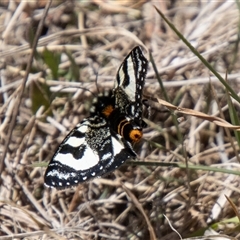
(103, 141)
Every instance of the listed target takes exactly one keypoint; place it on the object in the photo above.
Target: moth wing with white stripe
(91, 149)
(129, 85)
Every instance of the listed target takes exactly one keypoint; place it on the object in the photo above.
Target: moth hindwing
(102, 142)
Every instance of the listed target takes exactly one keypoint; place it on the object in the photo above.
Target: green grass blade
(203, 60)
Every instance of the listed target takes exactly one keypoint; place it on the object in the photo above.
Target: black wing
(129, 85)
(91, 149)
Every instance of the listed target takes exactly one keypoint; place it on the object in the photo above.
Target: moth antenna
(96, 83)
(53, 96)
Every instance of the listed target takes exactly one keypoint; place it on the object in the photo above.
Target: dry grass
(90, 40)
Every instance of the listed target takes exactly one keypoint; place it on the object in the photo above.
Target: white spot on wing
(106, 156)
(88, 160)
(117, 146)
(74, 141)
(82, 128)
(61, 175)
(131, 88)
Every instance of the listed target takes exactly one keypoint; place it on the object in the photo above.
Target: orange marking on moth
(121, 127)
(107, 110)
(135, 135)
